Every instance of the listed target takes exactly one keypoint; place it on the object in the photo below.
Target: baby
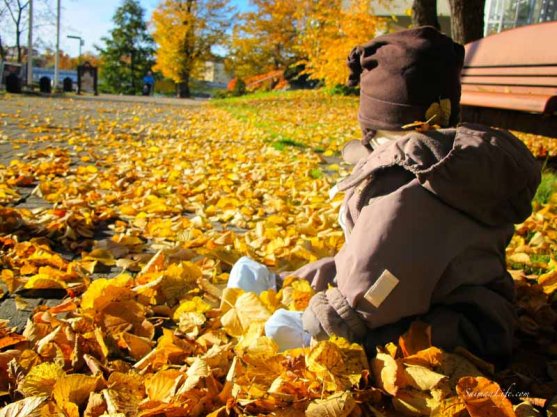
(427, 214)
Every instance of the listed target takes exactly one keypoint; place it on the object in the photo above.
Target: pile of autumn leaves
(184, 196)
(167, 343)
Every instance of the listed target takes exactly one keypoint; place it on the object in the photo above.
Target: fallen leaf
(484, 398)
(27, 407)
(337, 405)
(41, 379)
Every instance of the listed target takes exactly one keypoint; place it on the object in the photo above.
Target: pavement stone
(18, 313)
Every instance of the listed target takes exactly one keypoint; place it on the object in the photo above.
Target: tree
(16, 9)
(128, 51)
(265, 38)
(424, 13)
(47, 59)
(185, 31)
(3, 12)
(467, 20)
(329, 29)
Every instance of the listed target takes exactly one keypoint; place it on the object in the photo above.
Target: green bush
(220, 94)
(344, 90)
(239, 88)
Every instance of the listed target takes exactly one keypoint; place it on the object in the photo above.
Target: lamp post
(57, 56)
(30, 48)
(81, 43)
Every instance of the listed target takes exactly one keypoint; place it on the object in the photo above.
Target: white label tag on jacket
(381, 289)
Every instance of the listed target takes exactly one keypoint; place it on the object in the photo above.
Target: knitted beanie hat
(403, 74)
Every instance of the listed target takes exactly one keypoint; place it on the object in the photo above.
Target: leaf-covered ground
(127, 218)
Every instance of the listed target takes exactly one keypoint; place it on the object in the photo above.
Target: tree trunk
(2, 50)
(18, 45)
(467, 20)
(424, 13)
(184, 88)
(132, 73)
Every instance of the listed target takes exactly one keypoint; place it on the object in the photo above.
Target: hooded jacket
(429, 217)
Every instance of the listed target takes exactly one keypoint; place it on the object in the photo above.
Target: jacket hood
(486, 173)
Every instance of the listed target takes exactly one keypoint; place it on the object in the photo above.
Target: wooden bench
(510, 80)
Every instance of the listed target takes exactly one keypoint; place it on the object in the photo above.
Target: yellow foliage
(265, 38)
(185, 32)
(330, 30)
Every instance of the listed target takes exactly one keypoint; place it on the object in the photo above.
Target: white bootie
(286, 329)
(251, 276)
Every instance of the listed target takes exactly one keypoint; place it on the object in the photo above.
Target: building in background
(215, 73)
(38, 73)
(400, 12)
(502, 15)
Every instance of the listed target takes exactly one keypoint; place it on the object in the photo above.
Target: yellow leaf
(197, 371)
(548, 281)
(163, 385)
(41, 379)
(423, 378)
(229, 297)
(325, 359)
(386, 371)
(191, 322)
(451, 407)
(440, 113)
(417, 338)
(136, 345)
(103, 291)
(296, 294)
(177, 278)
(104, 256)
(231, 323)
(12, 282)
(270, 300)
(74, 388)
(337, 405)
(520, 258)
(28, 407)
(484, 398)
(413, 403)
(250, 309)
(195, 305)
(42, 281)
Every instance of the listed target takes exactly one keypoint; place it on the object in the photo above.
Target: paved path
(27, 120)
(157, 100)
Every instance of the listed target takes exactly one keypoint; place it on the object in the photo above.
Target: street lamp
(81, 43)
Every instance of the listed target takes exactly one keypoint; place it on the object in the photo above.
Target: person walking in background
(148, 84)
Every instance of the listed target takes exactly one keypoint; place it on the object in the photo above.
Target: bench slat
(536, 103)
(525, 45)
(517, 89)
(512, 71)
(549, 81)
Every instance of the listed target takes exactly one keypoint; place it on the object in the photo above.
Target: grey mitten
(329, 313)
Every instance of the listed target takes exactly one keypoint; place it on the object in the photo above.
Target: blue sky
(91, 19)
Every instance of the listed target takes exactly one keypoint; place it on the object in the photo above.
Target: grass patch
(282, 144)
(302, 119)
(547, 187)
(316, 173)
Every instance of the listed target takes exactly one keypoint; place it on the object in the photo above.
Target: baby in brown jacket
(427, 216)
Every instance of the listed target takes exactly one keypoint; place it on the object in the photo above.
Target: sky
(91, 20)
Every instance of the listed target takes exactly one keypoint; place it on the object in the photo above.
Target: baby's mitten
(329, 313)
